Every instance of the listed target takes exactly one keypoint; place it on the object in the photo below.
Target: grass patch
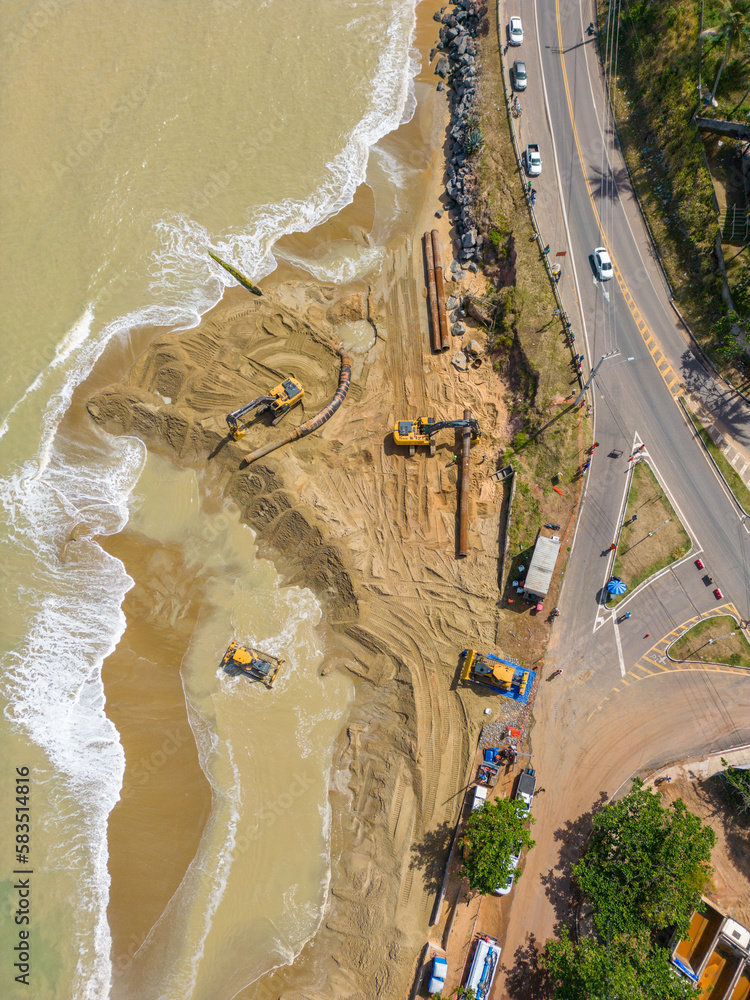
(736, 485)
(652, 535)
(715, 640)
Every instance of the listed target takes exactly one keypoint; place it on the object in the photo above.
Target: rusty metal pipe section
(440, 291)
(463, 497)
(307, 426)
(437, 342)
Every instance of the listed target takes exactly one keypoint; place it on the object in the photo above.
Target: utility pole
(592, 376)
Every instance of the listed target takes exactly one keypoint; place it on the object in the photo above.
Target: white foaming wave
(52, 682)
(72, 340)
(339, 268)
(77, 334)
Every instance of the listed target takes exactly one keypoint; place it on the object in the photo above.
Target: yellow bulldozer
(421, 432)
(280, 400)
(240, 659)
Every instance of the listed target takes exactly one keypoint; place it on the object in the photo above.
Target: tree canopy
(627, 969)
(646, 866)
(493, 834)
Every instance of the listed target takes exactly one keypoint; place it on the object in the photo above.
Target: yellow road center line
(620, 280)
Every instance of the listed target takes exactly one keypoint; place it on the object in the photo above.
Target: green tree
(733, 28)
(738, 787)
(493, 834)
(629, 969)
(646, 866)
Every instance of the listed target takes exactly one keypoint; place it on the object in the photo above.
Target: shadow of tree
(723, 402)
(735, 828)
(526, 979)
(558, 883)
(429, 856)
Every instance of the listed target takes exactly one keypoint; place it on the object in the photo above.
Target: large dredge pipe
(463, 497)
(440, 290)
(345, 378)
(437, 340)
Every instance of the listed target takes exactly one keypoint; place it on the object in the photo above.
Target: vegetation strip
(652, 535)
(719, 639)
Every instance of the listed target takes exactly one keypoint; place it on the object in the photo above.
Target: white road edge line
(619, 647)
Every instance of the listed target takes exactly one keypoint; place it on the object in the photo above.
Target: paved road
(620, 708)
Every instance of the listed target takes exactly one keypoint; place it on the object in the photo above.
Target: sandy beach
(370, 531)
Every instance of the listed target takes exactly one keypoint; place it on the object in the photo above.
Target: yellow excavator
(415, 433)
(280, 400)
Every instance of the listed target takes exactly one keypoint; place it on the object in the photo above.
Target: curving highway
(620, 707)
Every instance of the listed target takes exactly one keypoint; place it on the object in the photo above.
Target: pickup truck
(437, 976)
(526, 786)
(533, 160)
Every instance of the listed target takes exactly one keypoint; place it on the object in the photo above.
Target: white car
(602, 264)
(515, 31)
(503, 890)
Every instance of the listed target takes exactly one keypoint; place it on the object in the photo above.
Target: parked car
(515, 31)
(602, 264)
(503, 890)
(526, 786)
(718, 595)
(519, 75)
(699, 564)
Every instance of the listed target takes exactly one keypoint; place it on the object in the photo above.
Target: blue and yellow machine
(510, 679)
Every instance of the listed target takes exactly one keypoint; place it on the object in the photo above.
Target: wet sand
(164, 789)
(370, 532)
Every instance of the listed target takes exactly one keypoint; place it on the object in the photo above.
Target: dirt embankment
(372, 532)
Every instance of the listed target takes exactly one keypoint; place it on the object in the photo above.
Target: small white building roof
(542, 566)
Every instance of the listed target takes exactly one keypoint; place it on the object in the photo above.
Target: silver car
(519, 75)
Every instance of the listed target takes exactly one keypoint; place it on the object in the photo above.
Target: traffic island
(652, 535)
(715, 640)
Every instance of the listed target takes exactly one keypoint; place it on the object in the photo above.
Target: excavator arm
(234, 418)
(430, 429)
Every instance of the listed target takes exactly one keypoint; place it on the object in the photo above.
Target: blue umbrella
(616, 586)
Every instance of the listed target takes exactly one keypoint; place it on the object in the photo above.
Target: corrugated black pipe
(318, 420)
